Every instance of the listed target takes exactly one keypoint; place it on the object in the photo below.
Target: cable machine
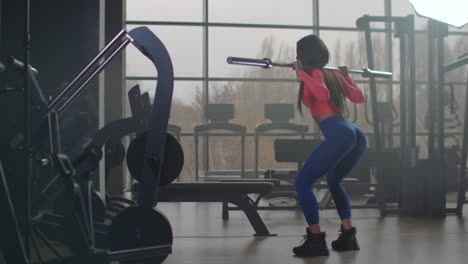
(407, 153)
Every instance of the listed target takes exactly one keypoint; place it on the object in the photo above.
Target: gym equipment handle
(19, 65)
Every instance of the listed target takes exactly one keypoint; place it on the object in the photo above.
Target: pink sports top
(317, 96)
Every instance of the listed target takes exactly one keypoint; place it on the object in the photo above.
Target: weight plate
(121, 202)
(172, 164)
(116, 205)
(138, 227)
(98, 203)
(282, 201)
(115, 153)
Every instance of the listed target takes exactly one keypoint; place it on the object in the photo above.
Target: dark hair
(313, 53)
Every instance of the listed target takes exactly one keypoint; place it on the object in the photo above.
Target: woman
(323, 92)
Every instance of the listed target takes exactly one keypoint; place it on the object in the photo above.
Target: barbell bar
(267, 63)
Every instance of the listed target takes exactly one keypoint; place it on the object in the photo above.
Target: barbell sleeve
(264, 63)
(378, 74)
(364, 72)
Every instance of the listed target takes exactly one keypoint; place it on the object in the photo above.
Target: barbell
(266, 63)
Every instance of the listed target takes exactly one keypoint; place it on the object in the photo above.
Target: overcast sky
(185, 43)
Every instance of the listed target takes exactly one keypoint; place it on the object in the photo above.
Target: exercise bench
(236, 193)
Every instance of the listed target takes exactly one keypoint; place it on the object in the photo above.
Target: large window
(201, 34)
(165, 10)
(340, 14)
(278, 12)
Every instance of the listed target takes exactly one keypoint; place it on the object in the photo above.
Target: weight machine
(407, 154)
(133, 233)
(436, 119)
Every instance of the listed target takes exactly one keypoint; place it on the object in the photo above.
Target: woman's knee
(301, 184)
(334, 185)
(298, 184)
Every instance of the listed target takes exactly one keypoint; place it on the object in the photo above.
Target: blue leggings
(336, 156)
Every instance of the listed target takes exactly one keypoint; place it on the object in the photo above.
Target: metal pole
(25, 216)
(205, 58)
(78, 77)
(412, 89)
(373, 89)
(256, 143)
(378, 146)
(1, 8)
(206, 97)
(389, 64)
(96, 72)
(432, 104)
(441, 179)
(315, 24)
(101, 179)
(316, 16)
(464, 154)
(403, 100)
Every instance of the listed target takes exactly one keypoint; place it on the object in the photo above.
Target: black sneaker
(313, 245)
(346, 241)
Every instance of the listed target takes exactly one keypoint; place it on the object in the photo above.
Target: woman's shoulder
(312, 70)
(315, 73)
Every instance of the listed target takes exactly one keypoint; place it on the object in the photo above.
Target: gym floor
(201, 236)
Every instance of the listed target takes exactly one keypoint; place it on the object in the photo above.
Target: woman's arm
(351, 89)
(315, 83)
